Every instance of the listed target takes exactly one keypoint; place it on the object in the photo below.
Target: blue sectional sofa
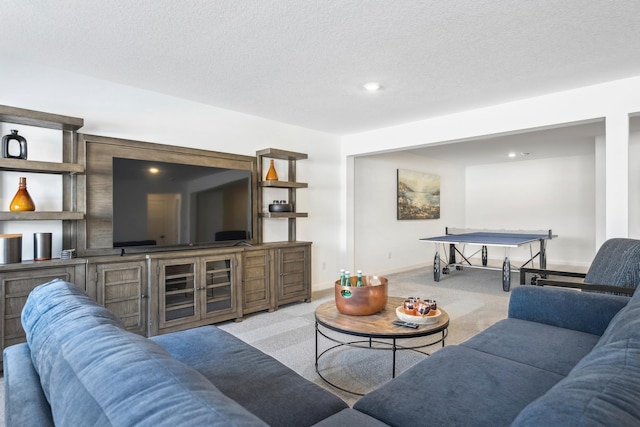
(80, 367)
(561, 358)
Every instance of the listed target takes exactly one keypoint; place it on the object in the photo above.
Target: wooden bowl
(362, 300)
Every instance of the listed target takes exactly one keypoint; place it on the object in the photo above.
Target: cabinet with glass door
(194, 291)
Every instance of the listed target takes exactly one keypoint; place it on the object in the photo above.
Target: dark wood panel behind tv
(95, 234)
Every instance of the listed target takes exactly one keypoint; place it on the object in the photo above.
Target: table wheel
(506, 275)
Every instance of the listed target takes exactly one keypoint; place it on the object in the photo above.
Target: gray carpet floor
(474, 300)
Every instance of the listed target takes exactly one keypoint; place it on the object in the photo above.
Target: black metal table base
(391, 344)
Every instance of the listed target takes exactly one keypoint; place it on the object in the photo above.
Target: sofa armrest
(543, 272)
(581, 311)
(542, 277)
(593, 287)
(24, 401)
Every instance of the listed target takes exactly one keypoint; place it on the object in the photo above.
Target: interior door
(163, 217)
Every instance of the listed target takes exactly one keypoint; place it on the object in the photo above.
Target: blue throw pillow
(94, 372)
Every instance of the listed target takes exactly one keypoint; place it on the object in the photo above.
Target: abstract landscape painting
(418, 195)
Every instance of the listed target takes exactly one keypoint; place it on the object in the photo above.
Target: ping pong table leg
(452, 253)
(484, 256)
(436, 266)
(506, 272)
(543, 255)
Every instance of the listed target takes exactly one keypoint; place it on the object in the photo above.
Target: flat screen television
(171, 204)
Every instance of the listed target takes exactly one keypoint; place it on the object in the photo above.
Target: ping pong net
(452, 231)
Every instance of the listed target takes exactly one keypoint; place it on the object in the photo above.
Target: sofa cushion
(601, 390)
(625, 324)
(351, 418)
(535, 344)
(25, 403)
(93, 372)
(252, 378)
(458, 386)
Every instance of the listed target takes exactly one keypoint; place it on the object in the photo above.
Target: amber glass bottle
(22, 200)
(272, 175)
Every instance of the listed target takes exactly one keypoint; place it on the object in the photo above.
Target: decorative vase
(17, 140)
(22, 201)
(272, 175)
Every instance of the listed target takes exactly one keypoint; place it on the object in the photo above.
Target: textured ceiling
(303, 61)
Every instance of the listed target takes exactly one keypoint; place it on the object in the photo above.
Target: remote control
(406, 324)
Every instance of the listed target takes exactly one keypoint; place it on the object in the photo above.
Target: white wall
(120, 111)
(556, 194)
(549, 194)
(634, 185)
(384, 244)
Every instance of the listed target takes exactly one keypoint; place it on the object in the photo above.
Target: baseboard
(318, 287)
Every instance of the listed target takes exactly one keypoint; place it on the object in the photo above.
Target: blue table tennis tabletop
(490, 238)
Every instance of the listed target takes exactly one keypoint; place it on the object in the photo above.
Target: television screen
(166, 204)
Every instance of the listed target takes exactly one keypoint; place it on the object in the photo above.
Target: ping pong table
(454, 238)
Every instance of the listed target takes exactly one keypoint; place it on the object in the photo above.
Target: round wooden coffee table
(377, 329)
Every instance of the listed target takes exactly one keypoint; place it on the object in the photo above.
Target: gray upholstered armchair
(615, 269)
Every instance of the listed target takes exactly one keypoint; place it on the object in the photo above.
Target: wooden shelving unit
(291, 185)
(71, 166)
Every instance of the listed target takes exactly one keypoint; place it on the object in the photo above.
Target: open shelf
(18, 165)
(284, 215)
(21, 116)
(274, 153)
(41, 216)
(283, 184)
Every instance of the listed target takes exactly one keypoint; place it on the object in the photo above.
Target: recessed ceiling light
(154, 170)
(372, 86)
(512, 155)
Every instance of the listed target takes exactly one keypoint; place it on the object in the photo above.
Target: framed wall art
(418, 195)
